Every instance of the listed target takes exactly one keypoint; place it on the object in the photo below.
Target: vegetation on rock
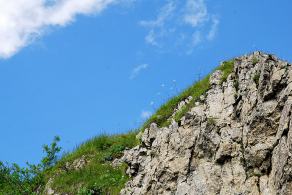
(164, 113)
(98, 176)
(89, 168)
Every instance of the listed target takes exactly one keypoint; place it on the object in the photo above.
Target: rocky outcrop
(238, 140)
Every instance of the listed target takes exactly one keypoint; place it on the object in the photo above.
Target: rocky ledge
(236, 140)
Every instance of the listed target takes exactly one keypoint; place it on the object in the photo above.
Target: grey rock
(234, 141)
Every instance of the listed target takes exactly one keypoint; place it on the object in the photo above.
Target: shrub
(15, 180)
(256, 78)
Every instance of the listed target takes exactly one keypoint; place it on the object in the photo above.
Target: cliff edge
(236, 139)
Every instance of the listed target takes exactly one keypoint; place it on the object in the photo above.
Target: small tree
(15, 180)
(51, 154)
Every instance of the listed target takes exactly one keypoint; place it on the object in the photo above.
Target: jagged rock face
(237, 141)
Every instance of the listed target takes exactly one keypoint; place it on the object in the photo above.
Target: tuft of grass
(255, 61)
(98, 176)
(211, 121)
(198, 89)
(181, 112)
(226, 68)
(165, 111)
(256, 78)
(95, 178)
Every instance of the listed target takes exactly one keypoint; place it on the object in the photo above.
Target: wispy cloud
(212, 33)
(195, 12)
(181, 24)
(145, 114)
(196, 39)
(137, 70)
(165, 13)
(22, 21)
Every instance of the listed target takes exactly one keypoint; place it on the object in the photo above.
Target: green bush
(15, 180)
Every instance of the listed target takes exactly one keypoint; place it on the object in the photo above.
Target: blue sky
(104, 66)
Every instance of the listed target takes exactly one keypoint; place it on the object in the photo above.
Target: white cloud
(195, 12)
(164, 14)
(196, 39)
(22, 21)
(137, 70)
(181, 25)
(145, 114)
(214, 28)
(151, 38)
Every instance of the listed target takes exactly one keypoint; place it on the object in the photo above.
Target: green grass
(98, 176)
(226, 68)
(211, 121)
(93, 179)
(165, 111)
(162, 115)
(197, 90)
(255, 61)
(110, 145)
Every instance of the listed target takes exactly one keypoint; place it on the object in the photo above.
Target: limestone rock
(236, 140)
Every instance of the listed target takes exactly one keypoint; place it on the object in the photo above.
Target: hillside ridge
(226, 134)
(236, 139)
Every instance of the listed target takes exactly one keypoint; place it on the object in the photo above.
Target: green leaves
(16, 180)
(51, 154)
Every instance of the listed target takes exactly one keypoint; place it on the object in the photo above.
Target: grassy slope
(98, 176)
(196, 90)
